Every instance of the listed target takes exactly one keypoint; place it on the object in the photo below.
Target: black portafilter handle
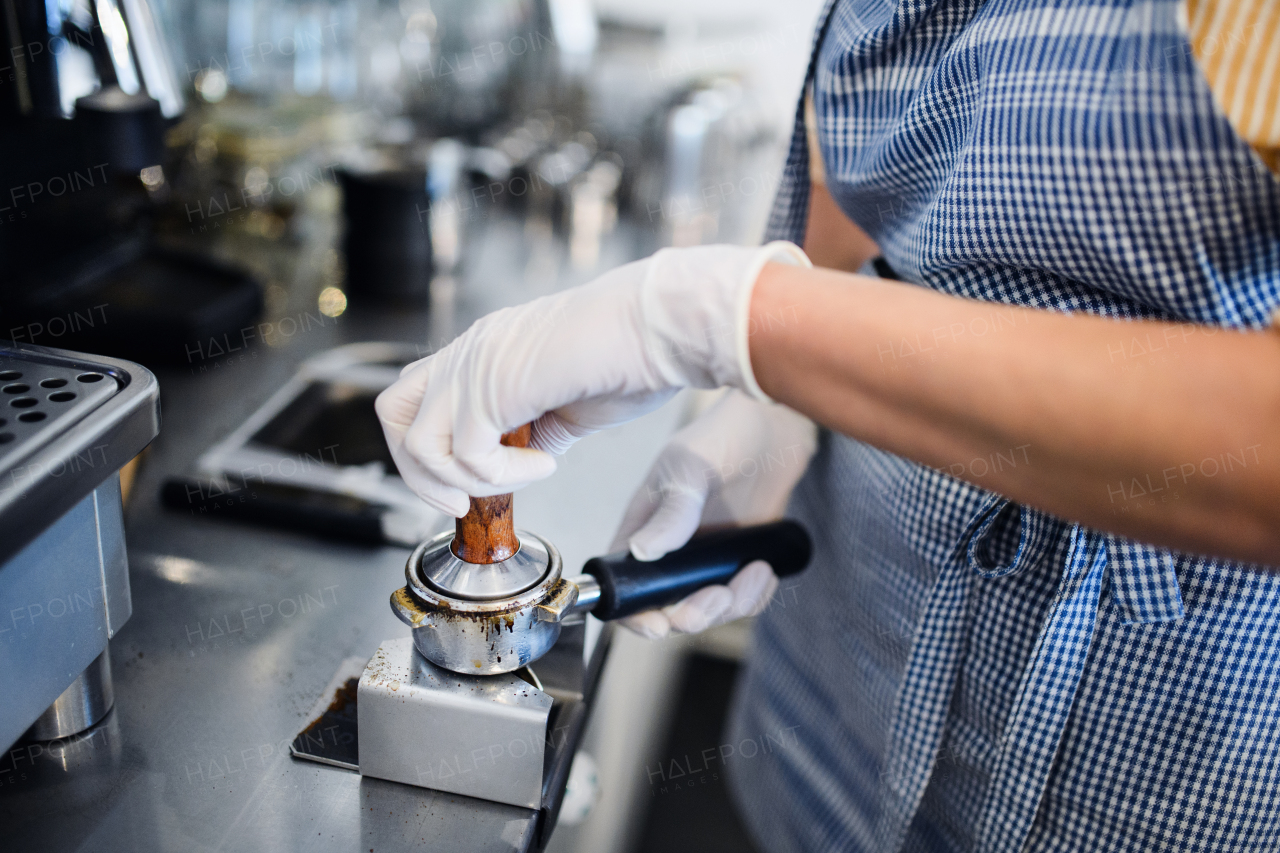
(628, 585)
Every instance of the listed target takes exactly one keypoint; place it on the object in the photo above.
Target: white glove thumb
(671, 525)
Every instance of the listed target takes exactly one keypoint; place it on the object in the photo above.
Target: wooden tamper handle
(487, 534)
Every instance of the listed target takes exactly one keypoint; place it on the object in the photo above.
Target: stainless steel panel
(54, 618)
(482, 736)
(113, 562)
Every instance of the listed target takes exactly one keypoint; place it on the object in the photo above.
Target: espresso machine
(68, 423)
(488, 696)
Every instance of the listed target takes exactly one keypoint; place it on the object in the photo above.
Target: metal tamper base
(481, 736)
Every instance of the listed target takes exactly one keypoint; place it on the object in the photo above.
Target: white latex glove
(572, 363)
(735, 465)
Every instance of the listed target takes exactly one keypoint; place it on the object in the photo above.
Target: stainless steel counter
(237, 629)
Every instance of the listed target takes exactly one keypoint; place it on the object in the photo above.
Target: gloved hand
(575, 362)
(736, 464)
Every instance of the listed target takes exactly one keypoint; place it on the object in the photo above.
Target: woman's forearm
(1163, 432)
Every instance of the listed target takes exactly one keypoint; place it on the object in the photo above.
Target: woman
(1043, 612)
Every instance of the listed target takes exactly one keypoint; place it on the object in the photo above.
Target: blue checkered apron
(955, 671)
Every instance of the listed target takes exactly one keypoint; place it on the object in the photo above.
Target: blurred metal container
(718, 170)
(388, 234)
(457, 67)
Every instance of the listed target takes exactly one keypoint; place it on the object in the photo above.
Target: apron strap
(1039, 715)
(1002, 539)
(924, 699)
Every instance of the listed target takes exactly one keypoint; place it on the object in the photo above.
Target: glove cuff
(778, 251)
(696, 312)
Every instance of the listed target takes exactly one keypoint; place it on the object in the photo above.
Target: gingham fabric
(964, 673)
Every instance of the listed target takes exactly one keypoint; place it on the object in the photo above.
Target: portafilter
(487, 598)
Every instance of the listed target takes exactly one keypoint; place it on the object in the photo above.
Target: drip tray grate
(41, 398)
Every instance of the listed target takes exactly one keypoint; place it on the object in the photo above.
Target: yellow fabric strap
(817, 172)
(1237, 43)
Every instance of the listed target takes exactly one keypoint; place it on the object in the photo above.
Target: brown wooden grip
(487, 533)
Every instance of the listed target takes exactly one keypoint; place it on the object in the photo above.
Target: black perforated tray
(67, 422)
(39, 400)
